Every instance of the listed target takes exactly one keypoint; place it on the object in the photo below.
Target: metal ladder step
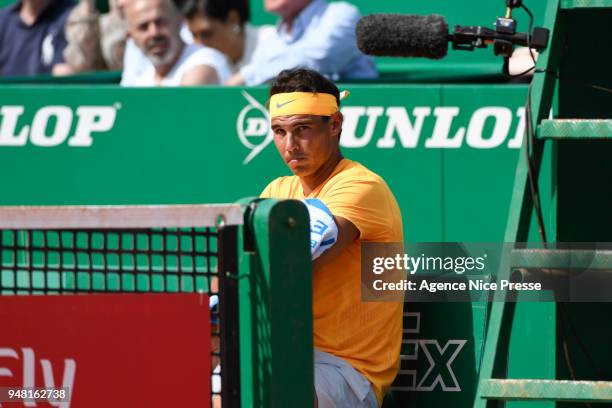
(575, 129)
(562, 258)
(574, 4)
(547, 390)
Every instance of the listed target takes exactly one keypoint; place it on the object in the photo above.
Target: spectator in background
(82, 32)
(521, 62)
(223, 25)
(113, 31)
(155, 26)
(94, 42)
(311, 34)
(32, 37)
(134, 61)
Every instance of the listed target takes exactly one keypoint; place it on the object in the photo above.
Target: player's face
(306, 142)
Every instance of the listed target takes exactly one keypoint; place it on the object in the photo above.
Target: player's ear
(335, 123)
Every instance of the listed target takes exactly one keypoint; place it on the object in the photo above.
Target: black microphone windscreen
(398, 35)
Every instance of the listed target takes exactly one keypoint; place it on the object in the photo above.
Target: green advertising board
(434, 145)
(448, 152)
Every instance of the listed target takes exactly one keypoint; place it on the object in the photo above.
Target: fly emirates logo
(55, 125)
(18, 370)
(393, 127)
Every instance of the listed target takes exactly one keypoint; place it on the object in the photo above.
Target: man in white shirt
(155, 26)
(311, 34)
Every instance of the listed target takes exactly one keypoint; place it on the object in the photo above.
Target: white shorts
(216, 380)
(338, 385)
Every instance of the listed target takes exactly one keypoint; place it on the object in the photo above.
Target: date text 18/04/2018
(477, 284)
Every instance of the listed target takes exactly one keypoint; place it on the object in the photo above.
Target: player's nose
(290, 143)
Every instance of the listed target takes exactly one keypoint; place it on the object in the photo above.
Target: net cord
(120, 217)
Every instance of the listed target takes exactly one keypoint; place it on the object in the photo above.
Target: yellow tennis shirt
(367, 335)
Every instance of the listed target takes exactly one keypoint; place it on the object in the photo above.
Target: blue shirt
(322, 38)
(31, 50)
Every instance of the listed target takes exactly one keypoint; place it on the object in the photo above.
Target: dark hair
(217, 9)
(303, 80)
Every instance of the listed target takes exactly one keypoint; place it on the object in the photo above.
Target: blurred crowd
(180, 42)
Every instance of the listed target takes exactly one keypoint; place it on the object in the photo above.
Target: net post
(229, 317)
(276, 305)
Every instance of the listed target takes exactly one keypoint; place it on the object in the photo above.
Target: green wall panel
(171, 146)
(474, 176)
(199, 145)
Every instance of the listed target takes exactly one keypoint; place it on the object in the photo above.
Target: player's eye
(279, 131)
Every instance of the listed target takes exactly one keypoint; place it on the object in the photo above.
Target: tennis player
(357, 344)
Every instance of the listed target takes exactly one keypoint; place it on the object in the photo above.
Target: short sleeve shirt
(365, 334)
(31, 50)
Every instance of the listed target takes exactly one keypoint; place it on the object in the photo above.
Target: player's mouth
(294, 161)
(295, 158)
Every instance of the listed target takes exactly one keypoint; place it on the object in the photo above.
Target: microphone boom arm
(469, 37)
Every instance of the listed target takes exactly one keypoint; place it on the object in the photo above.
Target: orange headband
(303, 103)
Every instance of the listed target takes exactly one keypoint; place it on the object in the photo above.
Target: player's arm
(200, 75)
(347, 233)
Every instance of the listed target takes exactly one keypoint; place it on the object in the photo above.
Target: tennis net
(132, 249)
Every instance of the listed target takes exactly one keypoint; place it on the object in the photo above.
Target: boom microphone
(397, 35)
